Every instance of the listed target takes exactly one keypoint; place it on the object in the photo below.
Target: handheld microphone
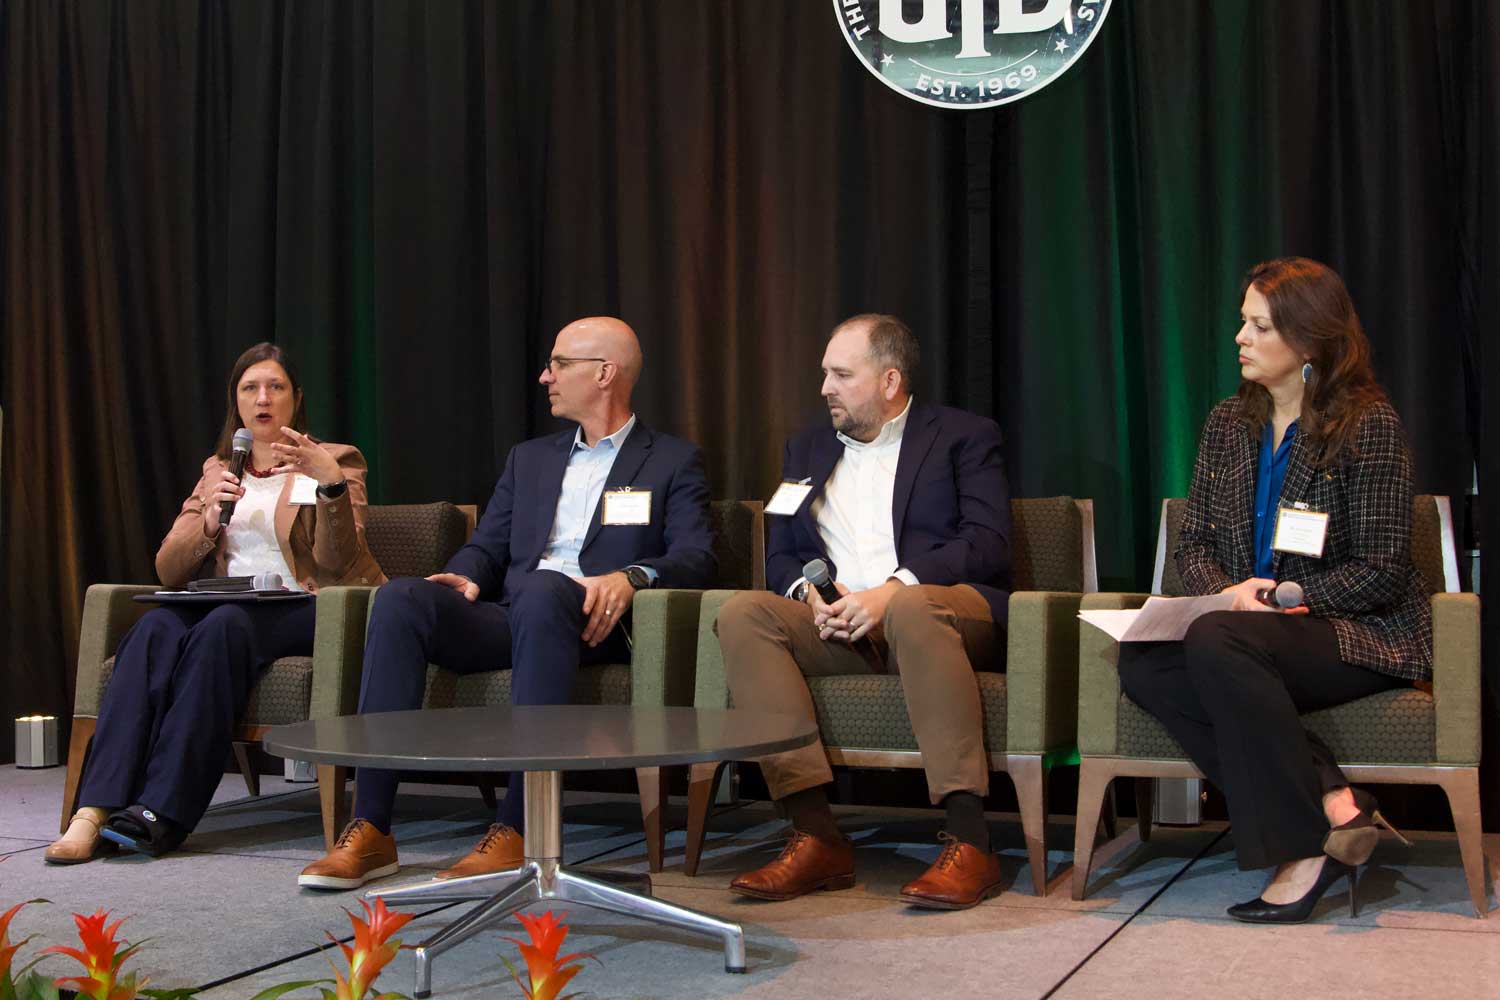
(818, 579)
(243, 439)
(1286, 594)
(266, 581)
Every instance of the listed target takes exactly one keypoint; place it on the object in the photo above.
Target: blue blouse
(1268, 478)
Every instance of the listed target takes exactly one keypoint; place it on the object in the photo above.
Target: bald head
(604, 337)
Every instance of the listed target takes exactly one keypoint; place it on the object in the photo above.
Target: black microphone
(243, 439)
(816, 572)
(1286, 594)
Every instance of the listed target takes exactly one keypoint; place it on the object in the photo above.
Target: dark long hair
(264, 351)
(1311, 309)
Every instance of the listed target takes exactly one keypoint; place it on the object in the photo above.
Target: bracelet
(333, 490)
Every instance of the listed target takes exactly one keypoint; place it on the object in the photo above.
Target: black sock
(809, 812)
(966, 819)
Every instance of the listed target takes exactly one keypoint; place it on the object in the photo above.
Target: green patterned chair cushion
(1392, 727)
(414, 539)
(607, 684)
(1046, 550)
(282, 696)
(868, 711)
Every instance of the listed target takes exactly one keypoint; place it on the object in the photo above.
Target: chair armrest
(1455, 678)
(108, 613)
(339, 650)
(1098, 679)
(1041, 667)
(710, 688)
(665, 636)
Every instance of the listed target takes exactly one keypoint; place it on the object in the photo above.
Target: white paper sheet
(1160, 619)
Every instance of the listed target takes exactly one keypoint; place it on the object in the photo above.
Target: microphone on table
(1286, 594)
(241, 453)
(266, 581)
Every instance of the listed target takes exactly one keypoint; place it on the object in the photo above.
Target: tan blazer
(323, 543)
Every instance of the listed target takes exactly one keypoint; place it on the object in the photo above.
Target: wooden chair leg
(1030, 777)
(653, 786)
(702, 779)
(78, 754)
(1094, 777)
(1109, 816)
(1145, 794)
(333, 802)
(1462, 789)
(247, 767)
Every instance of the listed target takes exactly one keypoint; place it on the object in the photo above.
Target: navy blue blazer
(951, 506)
(678, 543)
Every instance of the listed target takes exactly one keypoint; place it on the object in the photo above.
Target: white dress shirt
(582, 487)
(855, 513)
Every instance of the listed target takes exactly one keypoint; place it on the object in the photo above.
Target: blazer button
(1212, 526)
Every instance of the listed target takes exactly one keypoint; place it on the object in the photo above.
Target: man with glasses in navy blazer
(906, 503)
(578, 522)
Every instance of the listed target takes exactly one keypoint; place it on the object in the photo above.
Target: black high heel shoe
(1258, 911)
(1353, 842)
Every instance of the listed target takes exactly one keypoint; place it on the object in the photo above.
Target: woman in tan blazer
(183, 674)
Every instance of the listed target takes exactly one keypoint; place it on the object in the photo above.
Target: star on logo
(1062, 45)
(887, 59)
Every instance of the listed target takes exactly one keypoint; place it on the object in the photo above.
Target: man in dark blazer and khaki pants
(907, 503)
(579, 521)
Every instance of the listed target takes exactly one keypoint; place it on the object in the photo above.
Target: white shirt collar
(889, 434)
(616, 440)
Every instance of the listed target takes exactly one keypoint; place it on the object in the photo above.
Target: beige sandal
(85, 845)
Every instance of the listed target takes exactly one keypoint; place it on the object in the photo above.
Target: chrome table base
(542, 877)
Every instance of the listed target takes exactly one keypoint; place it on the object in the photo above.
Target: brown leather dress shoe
(806, 863)
(360, 854)
(961, 877)
(501, 849)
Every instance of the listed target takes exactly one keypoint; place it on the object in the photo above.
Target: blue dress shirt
(1268, 478)
(582, 486)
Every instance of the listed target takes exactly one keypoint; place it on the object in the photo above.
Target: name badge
(1300, 531)
(304, 491)
(788, 498)
(627, 506)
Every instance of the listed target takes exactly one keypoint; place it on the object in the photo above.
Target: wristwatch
(799, 592)
(333, 490)
(638, 577)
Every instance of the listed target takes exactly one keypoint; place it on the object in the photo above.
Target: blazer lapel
(1243, 457)
(827, 449)
(633, 454)
(285, 519)
(916, 441)
(548, 491)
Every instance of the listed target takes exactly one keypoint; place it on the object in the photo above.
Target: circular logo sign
(969, 53)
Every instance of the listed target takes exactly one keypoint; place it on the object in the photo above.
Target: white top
(856, 515)
(250, 545)
(582, 486)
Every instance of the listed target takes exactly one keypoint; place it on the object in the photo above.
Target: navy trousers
(1232, 693)
(182, 677)
(416, 622)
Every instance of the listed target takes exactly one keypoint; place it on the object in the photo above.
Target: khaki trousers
(932, 636)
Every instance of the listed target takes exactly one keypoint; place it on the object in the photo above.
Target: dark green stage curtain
(414, 197)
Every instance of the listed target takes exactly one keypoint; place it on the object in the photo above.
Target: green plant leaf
(272, 992)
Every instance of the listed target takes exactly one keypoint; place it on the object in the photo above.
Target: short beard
(852, 426)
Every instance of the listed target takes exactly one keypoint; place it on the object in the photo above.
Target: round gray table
(543, 741)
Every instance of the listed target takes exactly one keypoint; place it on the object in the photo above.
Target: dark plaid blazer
(1365, 582)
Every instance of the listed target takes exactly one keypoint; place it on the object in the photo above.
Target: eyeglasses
(558, 363)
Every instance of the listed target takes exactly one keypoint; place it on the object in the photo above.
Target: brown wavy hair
(264, 351)
(1311, 309)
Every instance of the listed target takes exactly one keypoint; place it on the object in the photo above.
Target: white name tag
(788, 498)
(627, 507)
(304, 490)
(1300, 531)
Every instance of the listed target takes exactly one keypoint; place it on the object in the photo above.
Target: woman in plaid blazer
(1308, 441)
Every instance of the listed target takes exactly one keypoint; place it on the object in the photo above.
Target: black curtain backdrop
(413, 198)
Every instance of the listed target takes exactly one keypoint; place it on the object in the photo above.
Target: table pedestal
(543, 877)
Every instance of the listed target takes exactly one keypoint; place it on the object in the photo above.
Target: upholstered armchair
(1402, 736)
(1029, 708)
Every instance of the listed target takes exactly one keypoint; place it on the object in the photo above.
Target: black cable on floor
(1142, 909)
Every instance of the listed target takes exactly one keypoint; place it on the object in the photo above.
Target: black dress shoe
(1258, 911)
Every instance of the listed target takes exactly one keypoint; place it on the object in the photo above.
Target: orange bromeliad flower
(101, 960)
(8, 950)
(547, 973)
(372, 950)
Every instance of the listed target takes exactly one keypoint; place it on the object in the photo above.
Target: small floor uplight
(36, 741)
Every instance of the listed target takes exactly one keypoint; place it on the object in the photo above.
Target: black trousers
(416, 622)
(183, 675)
(1231, 693)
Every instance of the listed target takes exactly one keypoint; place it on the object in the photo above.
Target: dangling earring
(1307, 373)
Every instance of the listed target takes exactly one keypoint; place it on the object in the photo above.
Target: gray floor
(226, 909)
